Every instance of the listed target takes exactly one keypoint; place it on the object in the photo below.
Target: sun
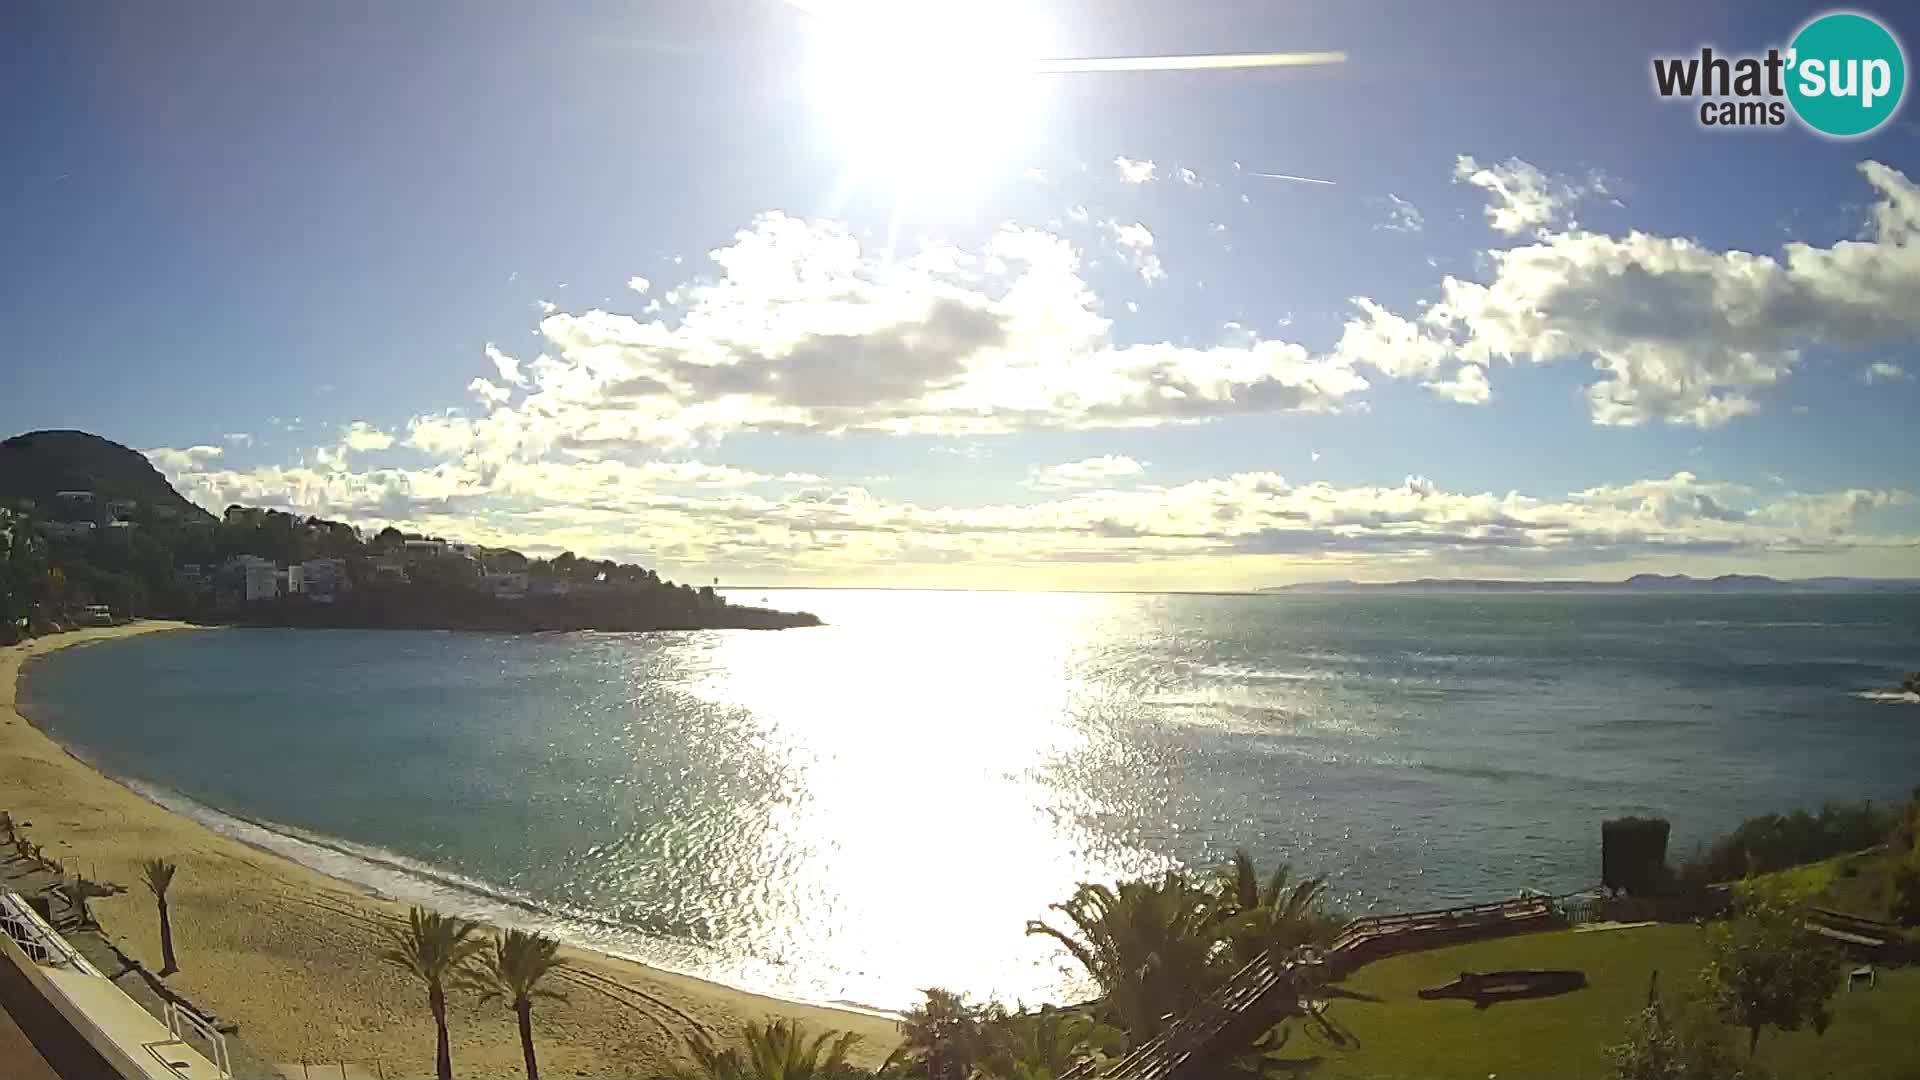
(926, 97)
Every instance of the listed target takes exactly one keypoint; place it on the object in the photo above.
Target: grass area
(1860, 884)
(1565, 1037)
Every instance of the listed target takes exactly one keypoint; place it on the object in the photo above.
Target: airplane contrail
(1290, 176)
(1205, 62)
(1072, 65)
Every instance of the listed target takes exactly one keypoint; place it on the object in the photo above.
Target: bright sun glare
(926, 97)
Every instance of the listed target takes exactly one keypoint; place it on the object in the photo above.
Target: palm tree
(1151, 945)
(158, 874)
(1047, 1044)
(436, 949)
(778, 1050)
(513, 970)
(1257, 918)
(945, 1038)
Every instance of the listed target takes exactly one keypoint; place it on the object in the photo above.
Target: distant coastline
(410, 608)
(1638, 583)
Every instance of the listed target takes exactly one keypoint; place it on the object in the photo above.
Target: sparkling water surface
(853, 812)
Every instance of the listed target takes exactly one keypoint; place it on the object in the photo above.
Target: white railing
(36, 938)
(183, 1022)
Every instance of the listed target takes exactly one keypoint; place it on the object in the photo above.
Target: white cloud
(1133, 172)
(487, 393)
(1078, 214)
(1467, 387)
(801, 330)
(237, 438)
(1390, 343)
(639, 284)
(1136, 243)
(1883, 371)
(699, 514)
(1680, 332)
(1523, 197)
(507, 366)
(1090, 472)
(1402, 216)
(362, 436)
(169, 459)
(1189, 177)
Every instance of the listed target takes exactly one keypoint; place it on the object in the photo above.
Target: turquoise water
(857, 811)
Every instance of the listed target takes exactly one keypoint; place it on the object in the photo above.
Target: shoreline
(248, 917)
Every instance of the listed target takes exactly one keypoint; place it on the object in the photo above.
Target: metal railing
(183, 1022)
(36, 938)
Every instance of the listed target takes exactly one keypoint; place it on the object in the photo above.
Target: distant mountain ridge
(1725, 583)
(39, 464)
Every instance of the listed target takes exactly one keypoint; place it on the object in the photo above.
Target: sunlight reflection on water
(932, 824)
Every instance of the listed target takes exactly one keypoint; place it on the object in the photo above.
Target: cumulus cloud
(639, 284)
(1680, 332)
(1883, 371)
(1090, 472)
(237, 438)
(1189, 177)
(802, 330)
(1133, 172)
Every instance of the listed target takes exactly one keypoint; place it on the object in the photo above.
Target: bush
(1633, 854)
(1772, 842)
(1905, 908)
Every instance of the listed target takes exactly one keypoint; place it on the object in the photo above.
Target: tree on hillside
(438, 950)
(1766, 969)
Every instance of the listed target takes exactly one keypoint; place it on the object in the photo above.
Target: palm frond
(157, 874)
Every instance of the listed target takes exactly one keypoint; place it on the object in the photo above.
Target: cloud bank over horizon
(800, 329)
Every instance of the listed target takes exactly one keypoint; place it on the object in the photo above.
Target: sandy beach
(292, 955)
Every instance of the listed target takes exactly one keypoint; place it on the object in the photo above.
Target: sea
(855, 812)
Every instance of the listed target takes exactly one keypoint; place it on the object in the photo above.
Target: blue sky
(949, 342)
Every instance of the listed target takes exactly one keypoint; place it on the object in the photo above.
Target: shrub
(1633, 854)
(1769, 842)
(1905, 908)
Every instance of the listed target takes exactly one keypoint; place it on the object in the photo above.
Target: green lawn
(1856, 884)
(1875, 1035)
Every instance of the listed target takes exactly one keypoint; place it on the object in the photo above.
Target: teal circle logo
(1846, 74)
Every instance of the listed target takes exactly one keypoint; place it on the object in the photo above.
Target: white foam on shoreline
(1889, 697)
(396, 877)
